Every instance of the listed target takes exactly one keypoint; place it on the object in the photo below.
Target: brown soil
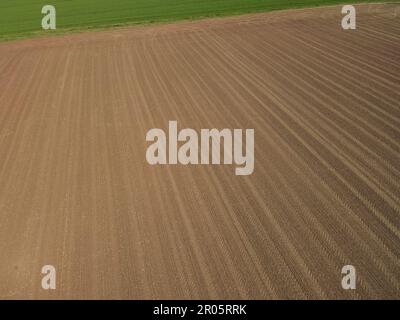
(76, 191)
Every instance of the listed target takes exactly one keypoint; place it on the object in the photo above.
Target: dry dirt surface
(76, 191)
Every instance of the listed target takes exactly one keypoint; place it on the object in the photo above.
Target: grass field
(22, 18)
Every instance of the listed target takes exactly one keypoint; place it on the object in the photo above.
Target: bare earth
(76, 191)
